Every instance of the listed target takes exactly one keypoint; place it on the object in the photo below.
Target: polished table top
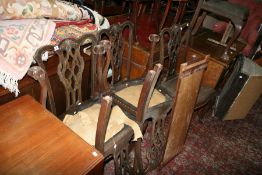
(34, 141)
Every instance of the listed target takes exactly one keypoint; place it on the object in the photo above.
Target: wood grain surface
(33, 141)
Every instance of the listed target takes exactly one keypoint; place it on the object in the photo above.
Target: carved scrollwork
(173, 45)
(116, 34)
(157, 143)
(70, 69)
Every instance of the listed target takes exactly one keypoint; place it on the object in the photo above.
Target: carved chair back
(121, 39)
(71, 66)
(171, 48)
(122, 88)
(175, 47)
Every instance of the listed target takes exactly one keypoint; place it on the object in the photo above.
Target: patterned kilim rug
(218, 147)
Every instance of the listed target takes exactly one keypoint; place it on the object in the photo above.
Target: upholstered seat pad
(169, 86)
(131, 94)
(84, 123)
(228, 9)
(205, 93)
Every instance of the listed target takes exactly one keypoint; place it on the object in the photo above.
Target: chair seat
(169, 86)
(84, 123)
(226, 9)
(131, 94)
(204, 95)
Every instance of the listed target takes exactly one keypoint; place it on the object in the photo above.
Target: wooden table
(33, 141)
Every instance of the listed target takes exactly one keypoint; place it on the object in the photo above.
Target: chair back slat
(147, 91)
(39, 54)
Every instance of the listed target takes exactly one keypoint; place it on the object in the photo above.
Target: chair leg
(134, 18)
(199, 23)
(194, 20)
(123, 7)
(236, 34)
(122, 161)
(138, 164)
(157, 143)
(165, 14)
(196, 15)
(143, 9)
(180, 12)
(102, 6)
(140, 9)
(155, 14)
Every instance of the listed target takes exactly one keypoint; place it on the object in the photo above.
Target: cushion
(132, 93)
(84, 123)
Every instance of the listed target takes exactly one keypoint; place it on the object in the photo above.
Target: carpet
(218, 147)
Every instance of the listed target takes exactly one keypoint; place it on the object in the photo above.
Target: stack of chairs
(120, 109)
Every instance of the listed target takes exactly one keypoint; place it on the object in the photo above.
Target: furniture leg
(155, 15)
(123, 7)
(198, 23)
(165, 14)
(138, 164)
(134, 18)
(236, 34)
(180, 12)
(197, 12)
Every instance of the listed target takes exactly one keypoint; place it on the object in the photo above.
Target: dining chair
(135, 96)
(234, 13)
(171, 50)
(94, 120)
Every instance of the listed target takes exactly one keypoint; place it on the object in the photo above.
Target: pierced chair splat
(171, 48)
